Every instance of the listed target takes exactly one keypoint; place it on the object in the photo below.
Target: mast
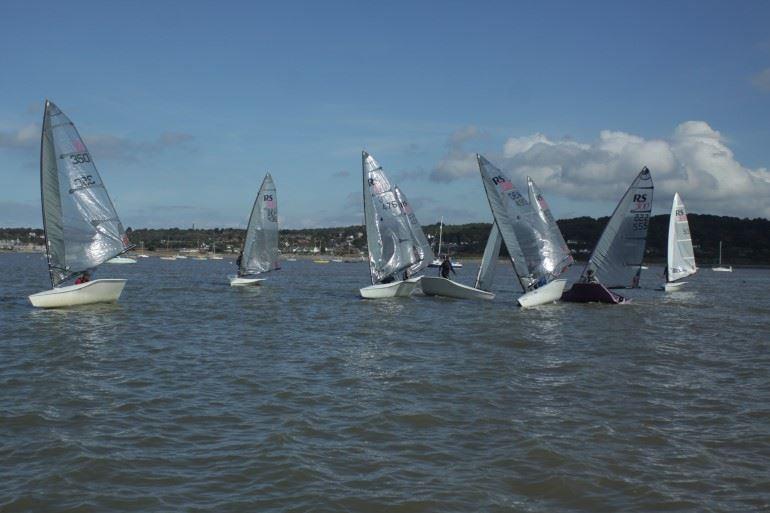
(42, 199)
(364, 190)
(440, 234)
(720, 253)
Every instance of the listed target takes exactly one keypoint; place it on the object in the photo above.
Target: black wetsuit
(446, 266)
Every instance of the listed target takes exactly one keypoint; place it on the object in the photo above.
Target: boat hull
(548, 293)
(591, 293)
(672, 286)
(436, 286)
(240, 281)
(121, 260)
(96, 291)
(722, 269)
(389, 290)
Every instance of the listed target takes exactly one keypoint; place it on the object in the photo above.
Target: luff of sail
(517, 223)
(81, 225)
(681, 260)
(388, 234)
(554, 250)
(421, 245)
(488, 267)
(260, 249)
(617, 258)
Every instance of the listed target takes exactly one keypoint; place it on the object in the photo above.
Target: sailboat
(616, 261)
(214, 255)
(720, 267)
(537, 249)
(395, 240)
(260, 248)
(82, 229)
(437, 261)
(680, 258)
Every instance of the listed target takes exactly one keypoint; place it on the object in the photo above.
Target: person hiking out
(83, 278)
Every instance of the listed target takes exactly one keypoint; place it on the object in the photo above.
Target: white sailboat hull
(238, 281)
(436, 286)
(96, 291)
(673, 285)
(121, 260)
(723, 269)
(545, 294)
(388, 290)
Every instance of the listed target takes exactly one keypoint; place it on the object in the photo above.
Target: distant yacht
(720, 267)
(437, 261)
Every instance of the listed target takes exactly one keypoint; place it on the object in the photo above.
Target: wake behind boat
(616, 260)
(260, 248)
(395, 241)
(82, 229)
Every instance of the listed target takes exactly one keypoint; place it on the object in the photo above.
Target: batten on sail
(81, 226)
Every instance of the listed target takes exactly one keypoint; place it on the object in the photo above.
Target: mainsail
(488, 266)
(389, 235)
(681, 260)
(260, 249)
(554, 250)
(524, 234)
(421, 244)
(617, 258)
(81, 226)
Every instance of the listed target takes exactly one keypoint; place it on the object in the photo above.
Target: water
(190, 395)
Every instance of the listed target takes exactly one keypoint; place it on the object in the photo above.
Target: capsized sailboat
(82, 229)
(680, 261)
(260, 248)
(535, 244)
(395, 240)
(616, 261)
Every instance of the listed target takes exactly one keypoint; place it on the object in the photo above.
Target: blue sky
(185, 105)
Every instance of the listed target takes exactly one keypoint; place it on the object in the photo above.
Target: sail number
(83, 181)
(80, 158)
(640, 222)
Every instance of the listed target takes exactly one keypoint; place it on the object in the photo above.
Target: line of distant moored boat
(83, 231)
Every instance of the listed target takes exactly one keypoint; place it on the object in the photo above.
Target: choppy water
(190, 395)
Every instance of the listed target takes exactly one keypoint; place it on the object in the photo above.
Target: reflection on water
(297, 395)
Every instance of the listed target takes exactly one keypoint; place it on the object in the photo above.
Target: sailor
(446, 266)
(665, 273)
(83, 278)
(591, 276)
(238, 261)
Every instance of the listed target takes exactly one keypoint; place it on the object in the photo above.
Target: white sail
(681, 260)
(488, 266)
(522, 231)
(553, 249)
(260, 249)
(81, 226)
(617, 258)
(421, 245)
(389, 236)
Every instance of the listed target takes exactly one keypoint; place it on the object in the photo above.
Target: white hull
(723, 269)
(674, 285)
(545, 294)
(437, 263)
(168, 258)
(121, 260)
(435, 286)
(97, 291)
(236, 281)
(216, 258)
(387, 290)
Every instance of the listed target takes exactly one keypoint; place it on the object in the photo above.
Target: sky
(185, 105)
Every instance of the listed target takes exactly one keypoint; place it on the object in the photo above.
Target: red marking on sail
(78, 146)
(505, 186)
(270, 204)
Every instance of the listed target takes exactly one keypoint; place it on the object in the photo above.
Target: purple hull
(591, 293)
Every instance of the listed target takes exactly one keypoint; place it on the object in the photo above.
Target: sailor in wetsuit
(446, 266)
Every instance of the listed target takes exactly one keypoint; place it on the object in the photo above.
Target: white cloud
(25, 137)
(458, 162)
(694, 161)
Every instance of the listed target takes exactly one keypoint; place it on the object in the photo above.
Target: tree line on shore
(745, 241)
